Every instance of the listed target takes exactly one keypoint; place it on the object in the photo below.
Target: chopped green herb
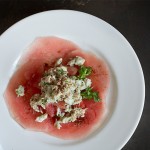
(84, 72)
(60, 71)
(46, 83)
(43, 83)
(89, 94)
(44, 101)
(45, 74)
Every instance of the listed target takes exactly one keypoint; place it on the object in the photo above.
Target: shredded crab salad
(58, 86)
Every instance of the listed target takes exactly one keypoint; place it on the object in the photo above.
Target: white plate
(126, 96)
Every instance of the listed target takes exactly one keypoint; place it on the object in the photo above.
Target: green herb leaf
(89, 94)
(96, 96)
(84, 72)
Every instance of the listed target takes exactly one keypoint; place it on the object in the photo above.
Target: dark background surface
(130, 17)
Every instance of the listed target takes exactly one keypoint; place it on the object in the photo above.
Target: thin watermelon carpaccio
(41, 55)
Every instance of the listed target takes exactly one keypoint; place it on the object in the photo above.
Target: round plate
(127, 90)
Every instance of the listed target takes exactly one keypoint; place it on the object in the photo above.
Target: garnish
(84, 72)
(89, 94)
(60, 71)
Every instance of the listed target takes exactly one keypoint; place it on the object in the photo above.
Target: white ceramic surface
(127, 90)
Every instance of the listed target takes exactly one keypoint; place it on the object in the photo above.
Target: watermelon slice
(40, 56)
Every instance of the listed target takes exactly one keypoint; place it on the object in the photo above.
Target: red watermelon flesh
(40, 56)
